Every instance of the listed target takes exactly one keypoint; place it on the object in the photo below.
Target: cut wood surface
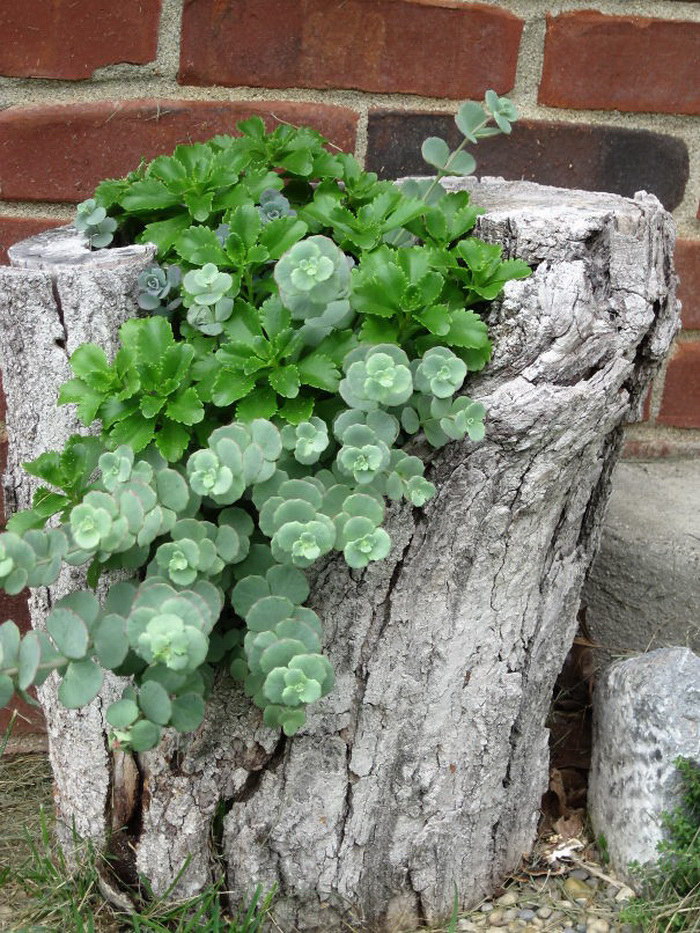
(423, 770)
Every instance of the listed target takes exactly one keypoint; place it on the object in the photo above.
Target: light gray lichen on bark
(425, 767)
(57, 295)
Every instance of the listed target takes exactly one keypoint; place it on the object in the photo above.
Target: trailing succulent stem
(304, 320)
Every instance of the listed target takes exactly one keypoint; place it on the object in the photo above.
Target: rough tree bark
(425, 767)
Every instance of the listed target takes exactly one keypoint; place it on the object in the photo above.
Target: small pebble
(486, 908)
(568, 930)
(527, 914)
(544, 912)
(496, 918)
(577, 889)
(565, 904)
(579, 873)
(507, 900)
(466, 926)
(597, 926)
(510, 914)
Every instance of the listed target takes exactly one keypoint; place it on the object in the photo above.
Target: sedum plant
(303, 322)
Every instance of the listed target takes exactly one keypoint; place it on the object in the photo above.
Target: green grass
(40, 891)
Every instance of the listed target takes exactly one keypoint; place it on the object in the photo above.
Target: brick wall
(609, 100)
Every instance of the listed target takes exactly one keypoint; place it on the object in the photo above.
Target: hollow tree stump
(424, 769)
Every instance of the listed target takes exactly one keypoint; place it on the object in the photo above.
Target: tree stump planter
(423, 770)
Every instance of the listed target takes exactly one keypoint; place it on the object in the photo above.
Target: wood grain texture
(425, 767)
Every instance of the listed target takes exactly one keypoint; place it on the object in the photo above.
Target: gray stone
(643, 590)
(646, 714)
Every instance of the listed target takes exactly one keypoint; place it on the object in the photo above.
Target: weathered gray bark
(59, 295)
(424, 768)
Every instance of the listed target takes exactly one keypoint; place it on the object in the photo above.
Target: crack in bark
(61, 342)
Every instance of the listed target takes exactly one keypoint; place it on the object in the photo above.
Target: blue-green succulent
(376, 376)
(274, 205)
(323, 319)
(311, 275)
(207, 299)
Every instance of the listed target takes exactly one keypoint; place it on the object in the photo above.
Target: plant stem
(442, 172)
(42, 666)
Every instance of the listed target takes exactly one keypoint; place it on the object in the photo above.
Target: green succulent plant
(306, 440)
(92, 220)
(440, 373)
(273, 205)
(381, 376)
(159, 289)
(311, 275)
(322, 318)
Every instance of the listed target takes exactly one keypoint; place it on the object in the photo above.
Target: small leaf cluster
(303, 323)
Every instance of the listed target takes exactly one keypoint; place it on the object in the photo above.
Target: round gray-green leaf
(144, 736)
(469, 118)
(155, 702)
(80, 684)
(121, 714)
(188, 712)
(462, 164)
(111, 643)
(29, 659)
(69, 633)
(435, 151)
(7, 690)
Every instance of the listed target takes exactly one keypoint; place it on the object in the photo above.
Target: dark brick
(636, 63)
(441, 48)
(14, 229)
(680, 403)
(688, 268)
(568, 155)
(71, 38)
(60, 153)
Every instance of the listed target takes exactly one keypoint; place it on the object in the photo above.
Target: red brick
(440, 48)
(680, 404)
(599, 62)
(655, 445)
(688, 269)
(59, 153)
(71, 38)
(29, 719)
(14, 229)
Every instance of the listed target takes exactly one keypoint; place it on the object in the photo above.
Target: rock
(579, 873)
(507, 900)
(466, 926)
(646, 714)
(526, 914)
(577, 889)
(496, 918)
(544, 912)
(486, 908)
(597, 925)
(643, 590)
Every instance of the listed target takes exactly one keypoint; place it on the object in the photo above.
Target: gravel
(578, 901)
